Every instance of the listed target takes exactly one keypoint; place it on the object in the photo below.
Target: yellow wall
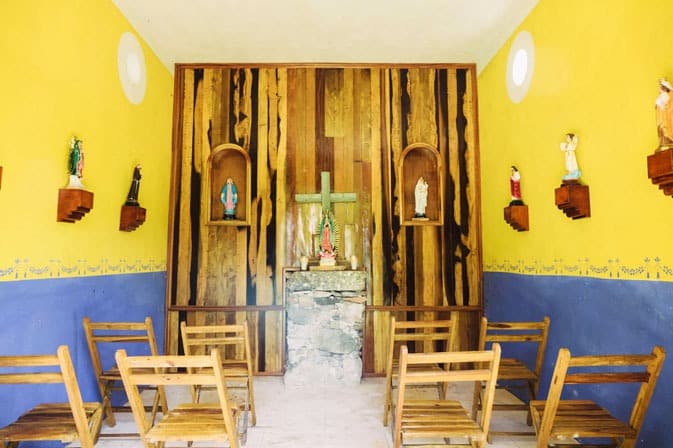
(597, 66)
(59, 78)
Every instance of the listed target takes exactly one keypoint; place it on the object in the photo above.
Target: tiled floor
(321, 417)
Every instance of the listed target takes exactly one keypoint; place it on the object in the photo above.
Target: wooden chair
(444, 419)
(65, 422)
(106, 337)
(428, 336)
(564, 420)
(234, 344)
(186, 422)
(514, 373)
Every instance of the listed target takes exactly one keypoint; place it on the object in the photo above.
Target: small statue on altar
(421, 197)
(568, 147)
(663, 107)
(327, 247)
(515, 187)
(132, 197)
(229, 198)
(76, 163)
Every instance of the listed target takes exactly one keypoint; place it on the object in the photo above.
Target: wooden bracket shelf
(132, 217)
(517, 217)
(573, 199)
(660, 170)
(73, 204)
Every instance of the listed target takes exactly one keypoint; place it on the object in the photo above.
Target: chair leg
(476, 400)
(251, 401)
(441, 390)
(155, 406)
(387, 405)
(531, 396)
(106, 393)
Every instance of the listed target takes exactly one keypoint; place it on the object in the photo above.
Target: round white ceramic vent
(520, 64)
(131, 66)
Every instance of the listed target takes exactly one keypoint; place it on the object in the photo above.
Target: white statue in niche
(421, 197)
(568, 147)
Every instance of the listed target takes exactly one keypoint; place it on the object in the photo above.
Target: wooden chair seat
(514, 369)
(51, 421)
(581, 418)
(434, 418)
(191, 422)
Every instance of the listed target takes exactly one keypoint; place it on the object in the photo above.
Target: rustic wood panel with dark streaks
(355, 121)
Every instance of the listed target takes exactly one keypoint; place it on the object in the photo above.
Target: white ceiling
(255, 31)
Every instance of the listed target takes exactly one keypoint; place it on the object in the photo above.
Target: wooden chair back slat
(607, 377)
(53, 421)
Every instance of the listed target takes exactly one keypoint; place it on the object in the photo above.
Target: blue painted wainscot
(592, 316)
(40, 315)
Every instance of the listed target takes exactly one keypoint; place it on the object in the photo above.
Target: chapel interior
(315, 175)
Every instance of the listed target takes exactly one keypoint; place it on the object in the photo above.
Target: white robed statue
(421, 197)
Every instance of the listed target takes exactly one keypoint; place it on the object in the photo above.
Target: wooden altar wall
(295, 121)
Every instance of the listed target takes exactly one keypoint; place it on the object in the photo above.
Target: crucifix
(325, 197)
(327, 227)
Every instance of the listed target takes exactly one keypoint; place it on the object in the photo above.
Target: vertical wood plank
(399, 257)
(472, 191)
(264, 286)
(182, 290)
(454, 173)
(221, 117)
(275, 322)
(378, 323)
(201, 153)
(333, 98)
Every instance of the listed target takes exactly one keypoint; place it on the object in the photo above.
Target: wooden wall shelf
(517, 217)
(420, 159)
(573, 199)
(131, 217)
(73, 204)
(660, 170)
(228, 160)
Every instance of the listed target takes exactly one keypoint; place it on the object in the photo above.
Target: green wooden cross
(325, 197)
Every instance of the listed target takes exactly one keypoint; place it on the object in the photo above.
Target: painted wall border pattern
(649, 269)
(25, 269)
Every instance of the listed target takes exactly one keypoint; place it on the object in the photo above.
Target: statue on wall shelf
(663, 107)
(76, 163)
(229, 198)
(568, 147)
(421, 199)
(132, 197)
(515, 187)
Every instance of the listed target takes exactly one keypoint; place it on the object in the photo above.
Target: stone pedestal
(325, 312)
